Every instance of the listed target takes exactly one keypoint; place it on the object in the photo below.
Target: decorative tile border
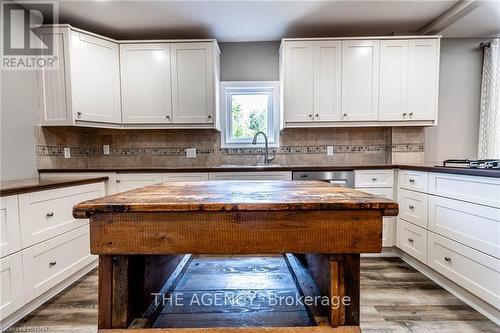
(337, 149)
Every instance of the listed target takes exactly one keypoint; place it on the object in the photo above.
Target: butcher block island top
(145, 240)
(236, 196)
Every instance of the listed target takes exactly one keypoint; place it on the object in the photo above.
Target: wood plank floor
(394, 298)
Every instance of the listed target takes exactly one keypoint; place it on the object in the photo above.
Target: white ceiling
(481, 22)
(230, 21)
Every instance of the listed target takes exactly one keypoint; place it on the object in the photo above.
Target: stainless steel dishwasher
(337, 178)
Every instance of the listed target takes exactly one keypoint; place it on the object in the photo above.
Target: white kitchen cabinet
(413, 207)
(298, 81)
(145, 83)
(412, 239)
(85, 86)
(255, 175)
(393, 80)
(10, 240)
(95, 81)
(46, 214)
(193, 82)
(184, 177)
(51, 262)
(131, 181)
(374, 178)
(360, 80)
(423, 77)
(327, 80)
(11, 284)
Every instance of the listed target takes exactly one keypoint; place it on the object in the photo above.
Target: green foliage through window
(249, 115)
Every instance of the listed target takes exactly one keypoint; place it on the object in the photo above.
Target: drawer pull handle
(411, 180)
(374, 179)
(411, 207)
(50, 214)
(118, 180)
(447, 259)
(52, 263)
(410, 240)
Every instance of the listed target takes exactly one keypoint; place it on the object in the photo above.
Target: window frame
(229, 88)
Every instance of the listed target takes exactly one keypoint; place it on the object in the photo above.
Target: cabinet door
(131, 181)
(95, 79)
(327, 80)
(298, 85)
(393, 80)
(145, 83)
(12, 288)
(360, 80)
(423, 75)
(192, 82)
(10, 234)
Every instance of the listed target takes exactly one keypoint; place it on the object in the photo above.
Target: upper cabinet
(359, 82)
(193, 83)
(101, 82)
(409, 72)
(145, 82)
(84, 86)
(95, 79)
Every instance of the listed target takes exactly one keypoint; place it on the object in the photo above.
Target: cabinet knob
(52, 263)
(345, 114)
(118, 180)
(78, 114)
(411, 206)
(317, 115)
(310, 115)
(411, 180)
(411, 114)
(374, 179)
(49, 214)
(447, 259)
(168, 117)
(410, 240)
(209, 116)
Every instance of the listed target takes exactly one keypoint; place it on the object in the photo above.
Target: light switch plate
(329, 150)
(191, 153)
(67, 153)
(105, 149)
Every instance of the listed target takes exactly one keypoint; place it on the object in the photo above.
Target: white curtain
(489, 123)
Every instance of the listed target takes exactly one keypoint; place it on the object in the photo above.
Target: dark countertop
(418, 167)
(18, 186)
(236, 196)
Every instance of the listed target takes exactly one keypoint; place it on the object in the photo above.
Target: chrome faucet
(267, 158)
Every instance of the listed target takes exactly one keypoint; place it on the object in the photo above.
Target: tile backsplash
(166, 148)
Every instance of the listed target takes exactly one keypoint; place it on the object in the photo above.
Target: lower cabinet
(131, 181)
(51, 262)
(475, 271)
(412, 239)
(11, 277)
(257, 175)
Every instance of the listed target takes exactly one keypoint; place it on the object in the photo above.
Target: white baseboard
(472, 300)
(31, 306)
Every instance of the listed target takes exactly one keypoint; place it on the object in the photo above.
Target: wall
(18, 115)
(254, 61)
(456, 135)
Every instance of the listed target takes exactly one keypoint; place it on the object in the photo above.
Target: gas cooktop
(472, 164)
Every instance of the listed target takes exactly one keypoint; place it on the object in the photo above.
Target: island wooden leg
(337, 276)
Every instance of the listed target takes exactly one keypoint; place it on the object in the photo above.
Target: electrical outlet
(329, 150)
(67, 153)
(191, 153)
(105, 149)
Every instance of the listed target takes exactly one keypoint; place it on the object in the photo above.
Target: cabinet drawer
(184, 177)
(384, 192)
(374, 178)
(51, 262)
(481, 190)
(10, 234)
(412, 239)
(413, 207)
(46, 214)
(470, 224)
(131, 181)
(11, 278)
(270, 175)
(413, 180)
(477, 272)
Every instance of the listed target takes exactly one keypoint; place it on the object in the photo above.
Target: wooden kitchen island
(144, 239)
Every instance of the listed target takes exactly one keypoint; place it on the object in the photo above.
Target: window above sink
(247, 108)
